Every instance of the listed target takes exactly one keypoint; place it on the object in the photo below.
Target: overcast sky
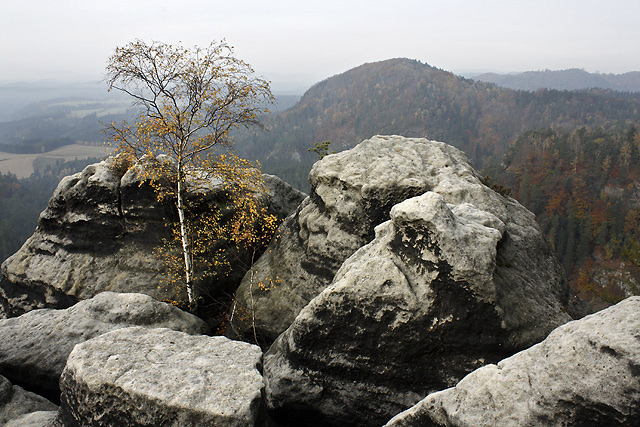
(304, 41)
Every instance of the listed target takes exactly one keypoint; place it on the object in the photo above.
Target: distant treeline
(571, 79)
(35, 146)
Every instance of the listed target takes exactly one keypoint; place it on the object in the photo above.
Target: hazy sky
(306, 41)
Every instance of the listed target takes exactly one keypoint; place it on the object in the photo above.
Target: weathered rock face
(23, 408)
(586, 373)
(352, 192)
(281, 198)
(100, 233)
(35, 419)
(77, 235)
(458, 278)
(153, 377)
(35, 346)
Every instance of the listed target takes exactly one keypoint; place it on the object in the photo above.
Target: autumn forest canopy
(584, 187)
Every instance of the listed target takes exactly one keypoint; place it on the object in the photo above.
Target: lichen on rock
(459, 277)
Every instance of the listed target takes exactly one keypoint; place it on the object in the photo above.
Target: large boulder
(586, 373)
(158, 377)
(351, 193)
(459, 277)
(75, 246)
(19, 407)
(35, 346)
(100, 232)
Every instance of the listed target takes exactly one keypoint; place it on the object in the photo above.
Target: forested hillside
(584, 187)
(406, 97)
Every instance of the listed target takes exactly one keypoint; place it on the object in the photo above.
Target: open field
(22, 165)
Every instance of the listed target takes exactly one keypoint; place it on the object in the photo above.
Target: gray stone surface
(84, 244)
(281, 198)
(35, 346)
(158, 377)
(458, 278)
(352, 192)
(19, 407)
(100, 232)
(35, 419)
(586, 373)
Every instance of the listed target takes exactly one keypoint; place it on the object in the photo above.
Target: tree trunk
(186, 248)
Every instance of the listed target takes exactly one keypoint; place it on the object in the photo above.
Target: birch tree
(190, 100)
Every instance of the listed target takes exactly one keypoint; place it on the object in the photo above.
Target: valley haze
(301, 43)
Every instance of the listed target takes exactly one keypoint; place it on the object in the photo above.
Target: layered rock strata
(100, 232)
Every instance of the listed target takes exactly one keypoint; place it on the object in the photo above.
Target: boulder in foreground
(35, 346)
(586, 373)
(159, 377)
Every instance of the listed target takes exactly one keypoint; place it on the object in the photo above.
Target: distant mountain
(572, 79)
(16, 96)
(413, 99)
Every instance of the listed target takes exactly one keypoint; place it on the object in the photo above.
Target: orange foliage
(580, 198)
(599, 216)
(556, 203)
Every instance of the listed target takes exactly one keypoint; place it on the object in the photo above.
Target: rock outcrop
(35, 346)
(154, 377)
(352, 192)
(35, 419)
(458, 278)
(585, 373)
(19, 407)
(100, 232)
(77, 235)
(281, 198)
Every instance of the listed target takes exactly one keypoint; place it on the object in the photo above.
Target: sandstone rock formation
(153, 377)
(586, 373)
(35, 346)
(281, 198)
(458, 278)
(19, 407)
(35, 419)
(99, 233)
(352, 192)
